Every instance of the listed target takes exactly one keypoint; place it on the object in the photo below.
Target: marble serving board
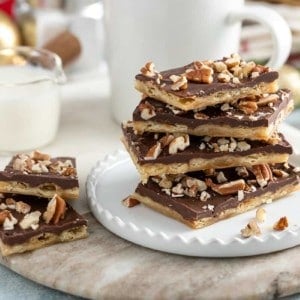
(107, 267)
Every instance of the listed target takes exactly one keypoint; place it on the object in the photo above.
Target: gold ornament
(9, 32)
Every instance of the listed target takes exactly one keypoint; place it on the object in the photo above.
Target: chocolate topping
(192, 208)
(72, 220)
(263, 117)
(140, 145)
(203, 89)
(36, 179)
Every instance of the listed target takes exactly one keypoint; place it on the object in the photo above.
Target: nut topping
(147, 110)
(11, 203)
(228, 188)
(153, 152)
(9, 222)
(179, 143)
(200, 116)
(242, 171)
(281, 224)
(248, 107)
(179, 82)
(149, 69)
(130, 202)
(202, 75)
(22, 207)
(260, 215)
(251, 229)
(55, 210)
(267, 100)
(31, 220)
(3, 215)
(223, 77)
(37, 155)
(262, 173)
(280, 173)
(166, 140)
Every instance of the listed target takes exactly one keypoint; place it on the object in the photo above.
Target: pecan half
(262, 173)
(227, 188)
(55, 210)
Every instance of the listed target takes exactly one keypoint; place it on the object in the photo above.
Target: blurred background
(74, 30)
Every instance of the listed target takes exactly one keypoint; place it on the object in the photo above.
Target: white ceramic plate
(114, 178)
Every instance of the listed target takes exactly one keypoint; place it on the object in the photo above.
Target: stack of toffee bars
(204, 140)
(33, 210)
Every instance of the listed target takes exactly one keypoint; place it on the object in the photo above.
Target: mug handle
(281, 33)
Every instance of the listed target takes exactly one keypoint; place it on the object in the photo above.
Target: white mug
(173, 33)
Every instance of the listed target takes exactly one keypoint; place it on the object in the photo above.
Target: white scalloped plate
(114, 178)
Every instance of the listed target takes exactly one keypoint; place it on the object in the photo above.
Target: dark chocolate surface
(140, 144)
(34, 179)
(18, 235)
(192, 208)
(233, 117)
(202, 89)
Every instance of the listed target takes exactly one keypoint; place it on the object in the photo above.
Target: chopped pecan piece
(3, 215)
(204, 74)
(267, 99)
(22, 207)
(55, 210)
(251, 229)
(147, 110)
(130, 202)
(260, 215)
(179, 82)
(228, 188)
(153, 152)
(179, 143)
(37, 155)
(281, 224)
(200, 116)
(149, 69)
(262, 173)
(11, 203)
(280, 173)
(166, 140)
(248, 107)
(223, 77)
(219, 66)
(9, 222)
(31, 220)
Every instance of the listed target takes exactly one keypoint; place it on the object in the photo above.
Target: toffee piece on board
(202, 198)
(254, 118)
(40, 175)
(207, 83)
(27, 223)
(160, 153)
